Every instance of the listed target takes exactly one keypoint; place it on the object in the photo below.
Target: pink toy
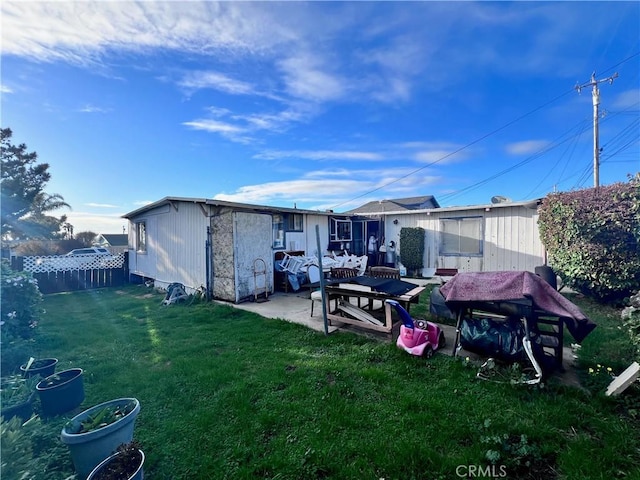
(420, 338)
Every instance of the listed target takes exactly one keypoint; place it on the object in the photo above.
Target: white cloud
(526, 147)
(228, 130)
(347, 155)
(294, 190)
(94, 222)
(5, 89)
(214, 126)
(93, 109)
(101, 205)
(217, 81)
(328, 187)
(81, 32)
(307, 78)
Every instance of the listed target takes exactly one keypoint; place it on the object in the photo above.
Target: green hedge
(412, 247)
(592, 237)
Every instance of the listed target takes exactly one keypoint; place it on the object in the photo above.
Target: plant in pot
(61, 392)
(125, 464)
(17, 394)
(43, 367)
(96, 433)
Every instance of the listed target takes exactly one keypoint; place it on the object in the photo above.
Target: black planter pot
(61, 392)
(22, 410)
(43, 367)
(104, 465)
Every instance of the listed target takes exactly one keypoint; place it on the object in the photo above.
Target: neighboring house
(493, 237)
(220, 246)
(115, 242)
(396, 205)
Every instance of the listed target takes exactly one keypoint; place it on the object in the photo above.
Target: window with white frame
(339, 229)
(461, 236)
(141, 237)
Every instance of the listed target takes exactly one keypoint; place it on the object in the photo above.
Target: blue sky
(322, 105)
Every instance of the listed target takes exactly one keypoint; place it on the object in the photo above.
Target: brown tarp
(521, 288)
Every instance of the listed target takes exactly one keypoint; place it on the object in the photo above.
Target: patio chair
(343, 272)
(316, 296)
(385, 272)
(313, 272)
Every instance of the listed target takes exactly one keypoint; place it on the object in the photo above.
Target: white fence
(64, 263)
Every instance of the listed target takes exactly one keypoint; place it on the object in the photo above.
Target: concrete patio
(296, 308)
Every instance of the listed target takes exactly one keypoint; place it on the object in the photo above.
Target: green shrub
(592, 237)
(412, 247)
(20, 304)
(20, 308)
(33, 450)
(631, 321)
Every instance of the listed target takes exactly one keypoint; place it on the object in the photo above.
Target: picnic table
(366, 292)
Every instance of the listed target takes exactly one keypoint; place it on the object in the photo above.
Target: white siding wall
(311, 245)
(175, 245)
(511, 238)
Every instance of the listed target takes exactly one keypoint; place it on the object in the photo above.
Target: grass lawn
(228, 394)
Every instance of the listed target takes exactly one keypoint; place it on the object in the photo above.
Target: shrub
(631, 321)
(592, 237)
(20, 304)
(19, 313)
(32, 450)
(412, 247)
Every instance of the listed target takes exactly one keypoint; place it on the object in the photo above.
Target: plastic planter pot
(43, 367)
(61, 392)
(102, 469)
(22, 410)
(88, 449)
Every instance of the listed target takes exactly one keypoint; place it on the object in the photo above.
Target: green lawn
(228, 394)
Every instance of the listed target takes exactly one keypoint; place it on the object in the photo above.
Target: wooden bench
(446, 272)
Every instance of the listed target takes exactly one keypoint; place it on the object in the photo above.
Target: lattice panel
(63, 263)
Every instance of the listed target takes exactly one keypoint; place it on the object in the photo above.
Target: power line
(478, 140)
(556, 143)
(444, 157)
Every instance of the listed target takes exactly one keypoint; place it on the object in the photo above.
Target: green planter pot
(90, 448)
(103, 466)
(61, 392)
(43, 367)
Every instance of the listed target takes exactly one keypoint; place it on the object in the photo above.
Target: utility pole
(595, 92)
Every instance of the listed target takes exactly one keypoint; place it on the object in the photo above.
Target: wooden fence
(63, 274)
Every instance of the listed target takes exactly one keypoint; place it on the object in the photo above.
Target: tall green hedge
(592, 237)
(412, 247)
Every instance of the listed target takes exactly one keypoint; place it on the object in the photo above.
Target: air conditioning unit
(500, 199)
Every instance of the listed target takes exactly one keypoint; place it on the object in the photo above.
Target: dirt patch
(146, 295)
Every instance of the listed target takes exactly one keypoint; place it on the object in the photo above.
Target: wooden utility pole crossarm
(596, 102)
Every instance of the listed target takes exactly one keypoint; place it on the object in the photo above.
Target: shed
(215, 245)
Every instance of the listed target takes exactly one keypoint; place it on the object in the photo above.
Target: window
(294, 222)
(282, 223)
(340, 230)
(278, 230)
(461, 236)
(141, 237)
